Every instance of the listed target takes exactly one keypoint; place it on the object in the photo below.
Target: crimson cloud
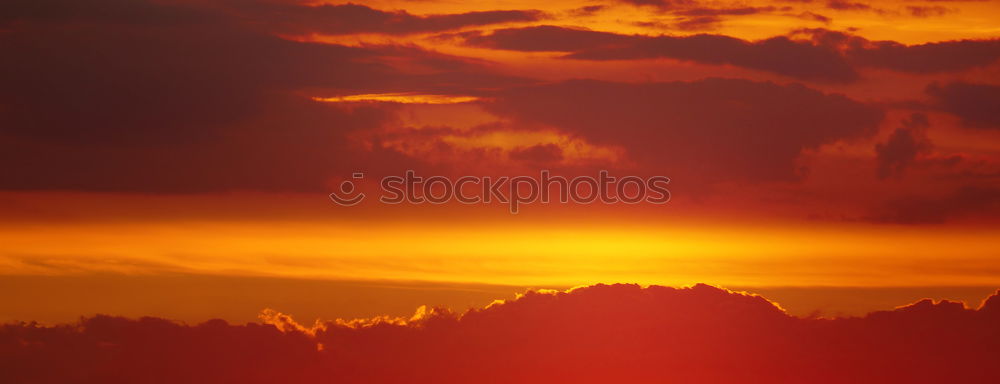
(603, 333)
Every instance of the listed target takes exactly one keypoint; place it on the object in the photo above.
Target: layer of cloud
(288, 16)
(708, 130)
(975, 104)
(355, 18)
(936, 57)
(900, 151)
(844, 5)
(595, 334)
(178, 96)
(798, 59)
(544, 38)
(809, 54)
(922, 207)
(160, 97)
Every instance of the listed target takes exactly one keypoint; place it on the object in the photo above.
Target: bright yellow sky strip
(513, 254)
(404, 98)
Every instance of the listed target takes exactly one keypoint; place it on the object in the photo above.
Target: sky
(838, 157)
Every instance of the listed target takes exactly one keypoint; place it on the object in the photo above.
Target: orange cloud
(403, 98)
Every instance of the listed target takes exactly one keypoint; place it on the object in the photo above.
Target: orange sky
(541, 246)
(824, 159)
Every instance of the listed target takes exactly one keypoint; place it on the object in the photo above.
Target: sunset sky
(205, 191)
(174, 158)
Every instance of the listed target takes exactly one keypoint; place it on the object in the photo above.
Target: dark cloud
(116, 350)
(925, 11)
(741, 11)
(594, 334)
(148, 96)
(799, 59)
(808, 54)
(663, 4)
(713, 129)
(702, 18)
(814, 17)
(923, 208)
(698, 23)
(975, 104)
(780, 55)
(944, 56)
(900, 151)
(538, 154)
(843, 5)
(104, 11)
(947, 56)
(355, 18)
(852, 6)
(692, 15)
(294, 146)
(291, 17)
(544, 38)
(587, 10)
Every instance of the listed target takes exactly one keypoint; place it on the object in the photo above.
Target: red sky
(167, 166)
(810, 144)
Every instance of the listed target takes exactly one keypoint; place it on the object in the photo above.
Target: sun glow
(528, 253)
(403, 98)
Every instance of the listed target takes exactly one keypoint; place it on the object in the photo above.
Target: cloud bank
(602, 333)
(820, 55)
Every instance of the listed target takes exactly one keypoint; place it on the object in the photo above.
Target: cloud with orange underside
(602, 333)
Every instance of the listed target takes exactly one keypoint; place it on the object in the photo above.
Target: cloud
(900, 151)
(807, 54)
(701, 19)
(975, 104)
(920, 207)
(925, 11)
(161, 97)
(825, 56)
(588, 10)
(663, 4)
(544, 38)
(291, 17)
(935, 57)
(355, 18)
(540, 154)
(600, 333)
(842, 5)
(780, 55)
(103, 11)
(700, 131)
(946, 56)
(740, 11)
(798, 59)
(691, 15)
(807, 15)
